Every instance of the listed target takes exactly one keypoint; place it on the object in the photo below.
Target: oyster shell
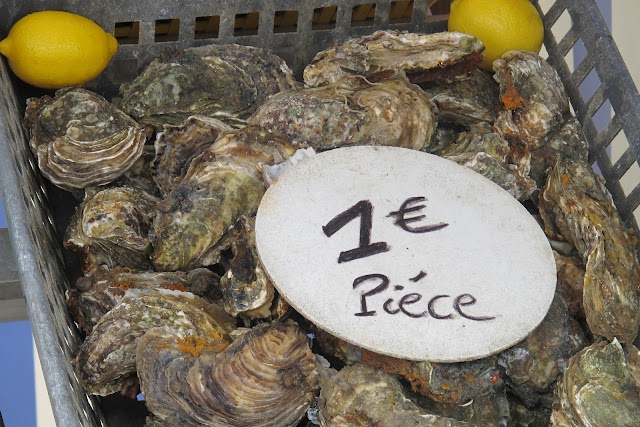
(465, 102)
(246, 289)
(422, 57)
(176, 146)
(139, 175)
(597, 390)
(361, 396)
(223, 81)
(266, 378)
(110, 229)
(352, 112)
(107, 359)
(570, 272)
(576, 205)
(221, 184)
(105, 288)
(80, 139)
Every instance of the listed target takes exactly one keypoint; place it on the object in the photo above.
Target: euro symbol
(408, 207)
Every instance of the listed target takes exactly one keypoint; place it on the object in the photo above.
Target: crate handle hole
(285, 21)
(167, 30)
(363, 15)
(324, 18)
(127, 32)
(207, 27)
(246, 24)
(401, 12)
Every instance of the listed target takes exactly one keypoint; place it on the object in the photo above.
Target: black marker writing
(406, 208)
(384, 283)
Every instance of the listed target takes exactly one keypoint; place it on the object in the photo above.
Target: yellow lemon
(502, 25)
(54, 49)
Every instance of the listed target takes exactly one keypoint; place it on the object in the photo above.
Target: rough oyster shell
(266, 378)
(422, 57)
(110, 228)
(221, 184)
(361, 396)
(576, 205)
(597, 390)
(352, 112)
(223, 81)
(176, 146)
(80, 139)
(107, 359)
(570, 272)
(104, 290)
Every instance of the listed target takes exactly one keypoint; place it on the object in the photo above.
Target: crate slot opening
(246, 24)
(401, 12)
(207, 27)
(618, 146)
(603, 116)
(630, 179)
(324, 18)
(363, 15)
(575, 55)
(438, 7)
(285, 21)
(167, 30)
(589, 85)
(127, 32)
(562, 26)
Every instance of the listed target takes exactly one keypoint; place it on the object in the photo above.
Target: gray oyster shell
(597, 390)
(82, 140)
(110, 228)
(106, 360)
(570, 272)
(352, 112)
(221, 184)
(266, 378)
(421, 57)
(223, 81)
(361, 396)
(576, 206)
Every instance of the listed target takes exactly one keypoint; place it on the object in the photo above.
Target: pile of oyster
(176, 305)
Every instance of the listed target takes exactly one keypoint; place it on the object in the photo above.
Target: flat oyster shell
(81, 140)
(110, 228)
(223, 81)
(107, 359)
(465, 102)
(266, 378)
(576, 205)
(422, 57)
(176, 146)
(361, 396)
(352, 112)
(221, 184)
(105, 288)
(597, 390)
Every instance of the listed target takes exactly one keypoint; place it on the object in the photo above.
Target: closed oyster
(482, 150)
(246, 289)
(107, 359)
(81, 140)
(465, 102)
(266, 378)
(361, 396)
(422, 57)
(221, 184)
(533, 364)
(576, 205)
(352, 112)
(597, 390)
(104, 290)
(110, 228)
(139, 175)
(223, 81)
(570, 271)
(176, 146)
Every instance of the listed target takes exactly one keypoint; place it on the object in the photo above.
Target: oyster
(139, 175)
(465, 102)
(534, 364)
(361, 396)
(246, 289)
(422, 57)
(176, 146)
(80, 139)
(576, 205)
(105, 288)
(487, 153)
(221, 184)
(110, 229)
(597, 390)
(521, 416)
(352, 112)
(570, 272)
(266, 378)
(107, 359)
(223, 81)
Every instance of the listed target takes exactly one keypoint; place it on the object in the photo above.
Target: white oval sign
(405, 254)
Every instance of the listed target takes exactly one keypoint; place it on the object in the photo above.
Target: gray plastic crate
(35, 211)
